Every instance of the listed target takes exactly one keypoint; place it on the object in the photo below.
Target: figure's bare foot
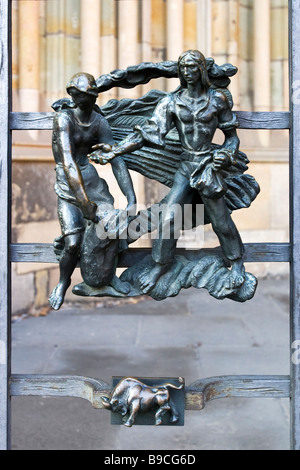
(237, 274)
(148, 280)
(57, 297)
(120, 286)
(174, 419)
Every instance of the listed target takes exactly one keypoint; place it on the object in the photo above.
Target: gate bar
(5, 202)
(197, 394)
(294, 41)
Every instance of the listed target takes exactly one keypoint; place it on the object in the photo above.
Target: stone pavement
(192, 335)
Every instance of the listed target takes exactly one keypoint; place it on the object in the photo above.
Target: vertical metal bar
(294, 46)
(5, 189)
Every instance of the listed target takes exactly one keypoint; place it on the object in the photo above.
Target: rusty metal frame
(199, 392)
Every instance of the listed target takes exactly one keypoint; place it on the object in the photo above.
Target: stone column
(220, 34)
(246, 55)
(42, 61)
(29, 55)
(15, 47)
(233, 53)
(190, 25)
(146, 10)
(158, 36)
(90, 37)
(279, 55)
(62, 45)
(174, 34)
(108, 44)
(204, 26)
(55, 50)
(128, 47)
(262, 57)
(72, 39)
(146, 37)
(262, 61)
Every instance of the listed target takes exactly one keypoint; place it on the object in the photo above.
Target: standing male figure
(197, 110)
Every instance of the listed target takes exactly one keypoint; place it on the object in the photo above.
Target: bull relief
(136, 402)
(167, 137)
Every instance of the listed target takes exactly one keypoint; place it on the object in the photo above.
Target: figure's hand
(99, 157)
(103, 153)
(221, 159)
(89, 210)
(104, 147)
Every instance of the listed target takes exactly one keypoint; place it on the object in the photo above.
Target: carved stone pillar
(204, 28)
(174, 34)
(279, 56)
(190, 25)
(90, 37)
(62, 46)
(15, 47)
(29, 55)
(108, 44)
(128, 47)
(146, 37)
(220, 30)
(158, 36)
(262, 61)
(262, 58)
(233, 46)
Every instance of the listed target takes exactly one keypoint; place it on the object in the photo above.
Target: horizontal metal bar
(247, 120)
(254, 252)
(264, 120)
(29, 121)
(196, 395)
(60, 386)
(242, 386)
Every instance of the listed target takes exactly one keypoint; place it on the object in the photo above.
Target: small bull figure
(131, 395)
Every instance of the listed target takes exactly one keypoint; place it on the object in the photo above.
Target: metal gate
(201, 391)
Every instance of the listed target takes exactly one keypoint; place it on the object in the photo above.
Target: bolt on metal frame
(201, 391)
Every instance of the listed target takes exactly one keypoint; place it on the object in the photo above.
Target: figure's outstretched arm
(153, 132)
(104, 153)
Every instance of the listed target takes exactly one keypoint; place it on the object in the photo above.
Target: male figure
(196, 110)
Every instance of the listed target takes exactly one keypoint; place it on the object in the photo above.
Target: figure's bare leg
(149, 280)
(169, 227)
(229, 238)
(67, 265)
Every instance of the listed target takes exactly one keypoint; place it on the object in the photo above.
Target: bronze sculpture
(168, 137)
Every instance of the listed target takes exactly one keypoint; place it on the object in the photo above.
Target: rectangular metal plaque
(177, 398)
